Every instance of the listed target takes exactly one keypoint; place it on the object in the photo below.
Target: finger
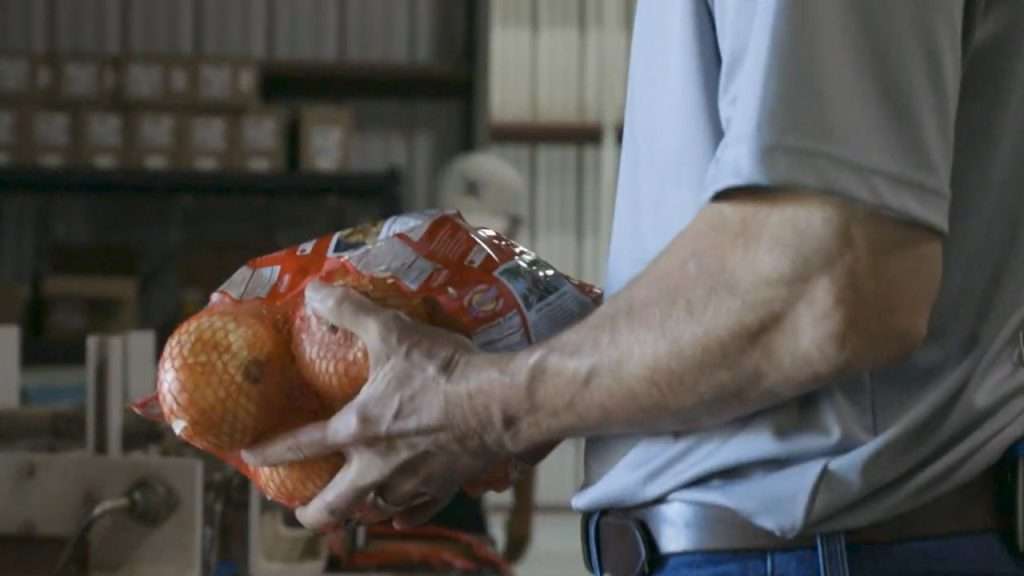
(299, 444)
(339, 499)
(419, 514)
(345, 308)
(367, 513)
(347, 427)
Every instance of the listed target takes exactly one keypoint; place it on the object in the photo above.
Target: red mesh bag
(254, 363)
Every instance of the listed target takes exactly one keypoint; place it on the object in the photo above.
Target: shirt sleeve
(855, 98)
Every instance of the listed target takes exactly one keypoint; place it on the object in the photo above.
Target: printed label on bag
(392, 257)
(412, 225)
(261, 283)
(506, 334)
(235, 285)
(550, 301)
(476, 257)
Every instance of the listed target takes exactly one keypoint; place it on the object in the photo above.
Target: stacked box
(44, 79)
(143, 81)
(227, 83)
(15, 77)
(87, 80)
(210, 143)
(181, 81)
(51, 138)
(262, 142)
(103, 139)
(12, 130)
(154, 140)
(76, 305)
(324, 134)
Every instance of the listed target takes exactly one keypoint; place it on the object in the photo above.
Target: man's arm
(762, 298)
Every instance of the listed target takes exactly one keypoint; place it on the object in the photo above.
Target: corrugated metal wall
(24, 26)
(562, 62)
(234, 28)
(317, 30)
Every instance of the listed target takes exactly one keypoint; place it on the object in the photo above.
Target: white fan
(488, 191)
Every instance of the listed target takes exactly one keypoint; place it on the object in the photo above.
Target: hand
(408, 439)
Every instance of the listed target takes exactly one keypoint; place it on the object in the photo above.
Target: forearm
(758, 301)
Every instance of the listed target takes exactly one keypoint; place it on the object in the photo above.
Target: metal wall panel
(232, 28)
(306, 30)
(87, 26)
(24, 26)
(164, 27)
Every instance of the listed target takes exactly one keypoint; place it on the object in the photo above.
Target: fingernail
(307, 518)
(317, 288)
(300, 515)
(250, 458)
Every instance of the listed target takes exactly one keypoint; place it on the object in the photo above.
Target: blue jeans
(962, 555)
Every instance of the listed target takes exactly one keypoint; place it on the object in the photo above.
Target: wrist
(489, 400)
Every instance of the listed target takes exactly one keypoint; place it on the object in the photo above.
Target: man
(807, 362)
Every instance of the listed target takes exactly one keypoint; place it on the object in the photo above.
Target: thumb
(345, 308)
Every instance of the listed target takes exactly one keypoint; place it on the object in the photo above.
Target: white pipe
(10, 366)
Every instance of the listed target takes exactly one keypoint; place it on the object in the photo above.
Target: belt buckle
(600, 531)
(1010, 494)
(1017, 479)
(585, 530)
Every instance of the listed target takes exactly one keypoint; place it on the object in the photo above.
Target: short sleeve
(853, 98)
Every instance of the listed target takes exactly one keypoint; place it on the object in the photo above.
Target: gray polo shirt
(913, 107)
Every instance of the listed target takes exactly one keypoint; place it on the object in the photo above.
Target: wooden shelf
(550, 132)
(52, 353)
(573, 132)
(314, 81)
(379, 185)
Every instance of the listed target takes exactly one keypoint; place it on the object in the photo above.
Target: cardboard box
(248, 82)
(102, 139)
(143, 81)
(210, 143)
(12, 131)
(75, 306)
(154, 140)
(262, 142)
(15, 77)
(324, 139)
(232, 83)
(51, 138)
(87, 80)
(27, 78)
(157, 81)
(12, 302)
(44, 79)
(181, 81)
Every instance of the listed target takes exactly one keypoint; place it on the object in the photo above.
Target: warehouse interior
(149, 149)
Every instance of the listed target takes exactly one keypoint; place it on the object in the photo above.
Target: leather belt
(677, 527)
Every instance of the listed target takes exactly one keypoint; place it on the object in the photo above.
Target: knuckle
(362, 420)
(391, 319)
(336, 302)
